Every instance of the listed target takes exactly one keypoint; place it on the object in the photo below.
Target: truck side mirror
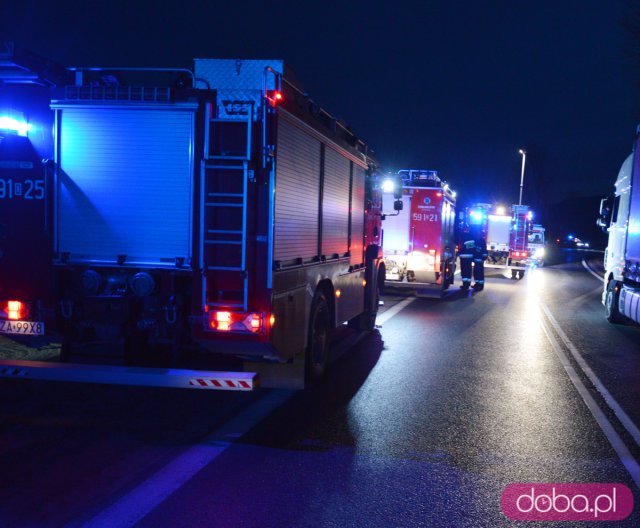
(397, 205)
(606, 205)
(606, 208)
(602, 224)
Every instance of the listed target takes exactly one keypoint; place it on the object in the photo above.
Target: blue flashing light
(477, 216)
(570, 237)
(14, 125)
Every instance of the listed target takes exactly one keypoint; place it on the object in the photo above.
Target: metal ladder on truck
(521, 227)
(224, 188)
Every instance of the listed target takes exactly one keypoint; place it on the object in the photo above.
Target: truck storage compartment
(118, 167)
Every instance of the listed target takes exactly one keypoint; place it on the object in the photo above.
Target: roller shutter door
(335, 204)
(296, 203)
(125, 186)
(357, 216)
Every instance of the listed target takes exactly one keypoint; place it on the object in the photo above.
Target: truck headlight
(539, 253)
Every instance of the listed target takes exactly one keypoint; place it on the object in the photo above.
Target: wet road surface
(422, 423)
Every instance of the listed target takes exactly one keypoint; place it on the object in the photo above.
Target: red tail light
(15, 310)
(223, 321)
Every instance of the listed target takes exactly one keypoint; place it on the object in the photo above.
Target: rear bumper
(117, 375)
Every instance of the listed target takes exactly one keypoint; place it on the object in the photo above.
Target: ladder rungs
(230, 242)
(214, 166)
(223, 232)
(222, 204)
(237, 195)
(224, 268)
(238, 158)
(234, 305)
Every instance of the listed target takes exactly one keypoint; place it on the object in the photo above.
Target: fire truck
(26, 151)
(507, 235)
(536, 246)
(220, 207)
(419, 246)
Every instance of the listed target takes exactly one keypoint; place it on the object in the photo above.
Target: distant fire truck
(419, 245)
(536, 245)
(221, 207)
(507, 235)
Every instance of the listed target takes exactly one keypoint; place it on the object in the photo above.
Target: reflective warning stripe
(221, 383)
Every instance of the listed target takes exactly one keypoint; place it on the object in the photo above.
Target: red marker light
(15, 310)
(223, 317)
(278, 96)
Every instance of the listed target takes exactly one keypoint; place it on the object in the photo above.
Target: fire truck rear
(237, 215)
(507, 235)
(419, 246)
(26, 148)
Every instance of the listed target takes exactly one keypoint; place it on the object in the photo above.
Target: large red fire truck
(507, 235)
(26, 151)
(419, 246)
(221, 207)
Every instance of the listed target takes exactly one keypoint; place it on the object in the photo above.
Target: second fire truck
(419, 245)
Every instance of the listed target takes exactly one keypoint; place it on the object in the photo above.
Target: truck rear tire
(366, 321)
(612, 313)
(317, 347)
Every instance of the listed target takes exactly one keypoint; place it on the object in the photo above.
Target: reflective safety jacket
(475, 248)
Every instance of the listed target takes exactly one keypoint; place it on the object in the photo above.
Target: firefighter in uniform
(472, 253)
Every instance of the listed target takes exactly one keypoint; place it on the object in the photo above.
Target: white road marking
(133, 507)
(627, 422)
(139, 502)
(384, 317)
(609, 431)
(588, 268)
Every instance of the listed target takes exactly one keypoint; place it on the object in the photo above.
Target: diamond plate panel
(236, 74)
(239, 83)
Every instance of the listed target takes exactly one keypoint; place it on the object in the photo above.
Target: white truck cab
(620, 216)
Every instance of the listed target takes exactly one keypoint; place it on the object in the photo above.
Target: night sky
(457, 86)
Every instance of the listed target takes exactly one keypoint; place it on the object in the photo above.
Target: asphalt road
(421, 423)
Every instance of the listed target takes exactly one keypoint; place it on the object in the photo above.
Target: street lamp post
(524, 157)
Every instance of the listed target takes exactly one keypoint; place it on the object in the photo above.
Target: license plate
(21, 327)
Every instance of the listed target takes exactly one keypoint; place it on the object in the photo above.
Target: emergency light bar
(14, 125)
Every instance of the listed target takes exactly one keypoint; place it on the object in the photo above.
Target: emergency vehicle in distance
(419, 245)
(620, 216)
(26, 154)
(507, 235)
(221, 207)
(536, 246)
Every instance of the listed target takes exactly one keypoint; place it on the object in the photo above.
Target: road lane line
(588, 268)
(609, 431)
(384, 317)
(624, 418)
(133, 507)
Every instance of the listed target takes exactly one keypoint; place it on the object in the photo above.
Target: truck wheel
(367, 321)
(520, 275)
(514, 274)
(316, 361)
(612, 313)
